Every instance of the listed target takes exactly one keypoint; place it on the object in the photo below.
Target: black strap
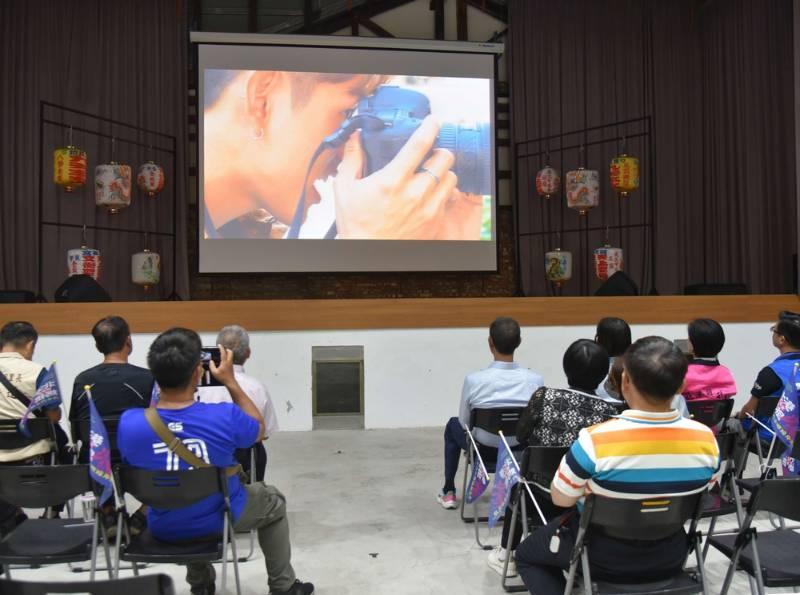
(15, 392)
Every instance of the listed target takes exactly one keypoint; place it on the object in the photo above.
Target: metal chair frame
(690, 506)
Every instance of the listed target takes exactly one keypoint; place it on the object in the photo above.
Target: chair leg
(731, 571)
(235, 556)
(573, 569)
(509, 541)
(7, 570)
(701, 559)
(93, 564)
(467, 463)
(708, 536)
(587, 576)
(477, 527)
(119, 546)
(757, 565)
(225, 541)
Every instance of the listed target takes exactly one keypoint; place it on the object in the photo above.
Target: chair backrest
(766, 406)
(153, 584)
(80, 430)
(710, 412)
(779, 496)
(726, 442)
(647, 520)
(495, 420)
(11, 438)
(40, 486)
(169, 490)
(540, 463)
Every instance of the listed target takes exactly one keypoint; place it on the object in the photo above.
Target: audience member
(615, 379)
(216, 431)
(656, 453)
(706, 378)
(614, 335)
(503, 384)
(553, 417)
(20, 376)
(772, 378)
(236, 339)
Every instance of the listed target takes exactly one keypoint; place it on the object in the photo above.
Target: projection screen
(319, 159)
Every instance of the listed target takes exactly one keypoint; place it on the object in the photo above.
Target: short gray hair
(235, 338)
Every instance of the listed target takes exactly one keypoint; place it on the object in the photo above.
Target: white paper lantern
(583, 189)
(84, 261)
(112, 186)
(607, 261)
(558, 266)
(146, 268)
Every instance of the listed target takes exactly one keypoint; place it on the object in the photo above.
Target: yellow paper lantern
(624, 174)
(69, 167)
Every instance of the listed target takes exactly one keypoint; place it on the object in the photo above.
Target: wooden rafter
(344, 19)
(491, 7)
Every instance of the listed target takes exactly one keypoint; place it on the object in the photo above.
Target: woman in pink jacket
(706, 378)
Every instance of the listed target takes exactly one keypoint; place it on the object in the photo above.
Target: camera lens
(472, 151)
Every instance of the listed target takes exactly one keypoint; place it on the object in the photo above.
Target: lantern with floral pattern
(112, 186)
(548, 182)
(150, 178)
(146, 268)
(583, 189)
(558, 266)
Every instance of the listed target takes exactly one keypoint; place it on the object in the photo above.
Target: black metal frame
(642, 128)
(172, 150)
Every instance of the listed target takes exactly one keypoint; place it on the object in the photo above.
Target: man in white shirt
(503, 384)
(236, 339)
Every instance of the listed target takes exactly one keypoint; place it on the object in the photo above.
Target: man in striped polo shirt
(649, 450)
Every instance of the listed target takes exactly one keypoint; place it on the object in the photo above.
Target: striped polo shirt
(640, 454)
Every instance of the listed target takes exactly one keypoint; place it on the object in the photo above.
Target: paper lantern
(69, 167)
(548, 182)
(607, 261)
(146, 268)
(112, 186)
(583, 189)
(558, 266)
(150, 178)
(624, 174)
(84, 261)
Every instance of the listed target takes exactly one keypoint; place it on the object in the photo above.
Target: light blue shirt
(503, 384)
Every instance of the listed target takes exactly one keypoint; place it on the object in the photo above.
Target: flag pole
(477, 452)
(87, 389)
(522, 479)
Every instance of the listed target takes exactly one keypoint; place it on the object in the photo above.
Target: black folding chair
(774, 553)
(537, 469)
(171, 490)
(492, 421)
(48, 541)
(765, 408)
(643, 520)
(710, 412)
(155, 584)
(724, 499)
(40, 429)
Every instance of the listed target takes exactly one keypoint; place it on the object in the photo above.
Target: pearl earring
(258, 133)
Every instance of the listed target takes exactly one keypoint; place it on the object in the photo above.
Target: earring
(257, 133)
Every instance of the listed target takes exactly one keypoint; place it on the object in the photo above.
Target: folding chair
(491, 421)
(40, 429)
(80, 434)
(765, 408)
(48, 541)
(644, 520)
(156, 584)
(170, 490)
(726, 499)
(710, 412)
(251, 481)
(774, 553)
(539, 465)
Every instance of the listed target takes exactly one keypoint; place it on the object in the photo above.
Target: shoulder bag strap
(175, 445)
(15, 392)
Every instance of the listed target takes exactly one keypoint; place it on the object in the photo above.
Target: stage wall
(413, 374)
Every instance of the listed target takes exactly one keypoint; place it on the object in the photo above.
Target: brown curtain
(709, 87)
(125, 60)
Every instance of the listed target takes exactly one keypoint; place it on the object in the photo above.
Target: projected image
(300, 155)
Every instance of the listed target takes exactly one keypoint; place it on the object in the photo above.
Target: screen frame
(198, 39)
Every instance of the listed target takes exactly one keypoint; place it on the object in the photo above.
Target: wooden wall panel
(269, 315)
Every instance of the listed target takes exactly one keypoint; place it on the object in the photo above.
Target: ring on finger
(430, 173)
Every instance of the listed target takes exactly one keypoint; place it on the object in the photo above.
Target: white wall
(412, 378)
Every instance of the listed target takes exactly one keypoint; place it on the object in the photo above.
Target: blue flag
(785, 422)
(155, 394)
(505, 476)
(47, 396)
(478, 482)
(99, 452)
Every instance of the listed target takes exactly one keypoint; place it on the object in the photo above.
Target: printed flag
(99, 452)
(505, 476)
(479, 479)
(785, 422)
(155, 394)
(48, 395)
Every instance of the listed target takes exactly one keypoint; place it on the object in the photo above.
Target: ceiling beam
(373, 26)
(491, 7)
(462, 27)
(252, 16)
(438, 18)
(343, 19)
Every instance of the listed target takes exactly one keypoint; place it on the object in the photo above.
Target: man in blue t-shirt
(212, 432)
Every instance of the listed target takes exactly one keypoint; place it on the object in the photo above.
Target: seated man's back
(211, 432)
(115, 389)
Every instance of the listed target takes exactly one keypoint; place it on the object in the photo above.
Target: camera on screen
(401, 111)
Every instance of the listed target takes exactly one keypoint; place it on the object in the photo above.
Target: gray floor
(364, 519)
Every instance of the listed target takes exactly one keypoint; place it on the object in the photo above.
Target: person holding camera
(213, 433)
(262, 132)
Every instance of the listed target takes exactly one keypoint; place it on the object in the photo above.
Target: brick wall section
(359, 285)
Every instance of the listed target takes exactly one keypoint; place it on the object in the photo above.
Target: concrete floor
(364, 520)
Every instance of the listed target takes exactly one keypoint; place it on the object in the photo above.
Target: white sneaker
(447, 500)
(497, 559)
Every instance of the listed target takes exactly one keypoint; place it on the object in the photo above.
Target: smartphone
(209, 354)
